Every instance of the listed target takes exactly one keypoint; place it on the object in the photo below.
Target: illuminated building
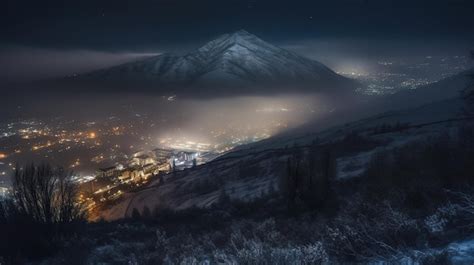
(108, 172)
(162, 154)
(134, 174)
(184, 159)
(142, 160)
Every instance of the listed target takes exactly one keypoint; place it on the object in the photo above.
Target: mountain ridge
(237, 60)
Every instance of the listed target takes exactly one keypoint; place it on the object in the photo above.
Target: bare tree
(465, 205)
(41, 210)
(46, 195)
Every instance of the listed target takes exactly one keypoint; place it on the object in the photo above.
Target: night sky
(44, 37)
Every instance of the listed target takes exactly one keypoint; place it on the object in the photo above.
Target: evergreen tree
(146, 212)
(224, 199)
(468, 92)
(136, 214)
(289, 182)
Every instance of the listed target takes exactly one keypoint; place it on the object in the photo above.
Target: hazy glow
(242, 118)
(89, 131)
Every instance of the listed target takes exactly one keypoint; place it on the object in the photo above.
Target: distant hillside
(450, 87)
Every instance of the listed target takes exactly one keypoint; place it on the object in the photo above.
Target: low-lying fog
(124, 124)
(184, 114)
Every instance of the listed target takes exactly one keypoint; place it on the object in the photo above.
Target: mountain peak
(237, 59)
(242, 32)
(237, 38)
(242, 36)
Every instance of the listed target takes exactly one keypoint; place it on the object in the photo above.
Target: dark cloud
(26, 64)
(74, 36)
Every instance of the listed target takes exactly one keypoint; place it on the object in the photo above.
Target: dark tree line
(421, 172)
(307, 179)
(468, 93)
(386, 128)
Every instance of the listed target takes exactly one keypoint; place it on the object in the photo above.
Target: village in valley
(110, 183)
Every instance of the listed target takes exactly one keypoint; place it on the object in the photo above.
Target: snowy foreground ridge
(458, 253)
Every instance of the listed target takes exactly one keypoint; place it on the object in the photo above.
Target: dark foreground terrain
(395, 188)
(410, 205)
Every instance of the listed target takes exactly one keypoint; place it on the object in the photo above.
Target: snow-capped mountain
(238, 60)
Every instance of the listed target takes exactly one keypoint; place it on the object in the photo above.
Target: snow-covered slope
(248, 173)
(426, 103)
(253, 170)
(239, 60)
